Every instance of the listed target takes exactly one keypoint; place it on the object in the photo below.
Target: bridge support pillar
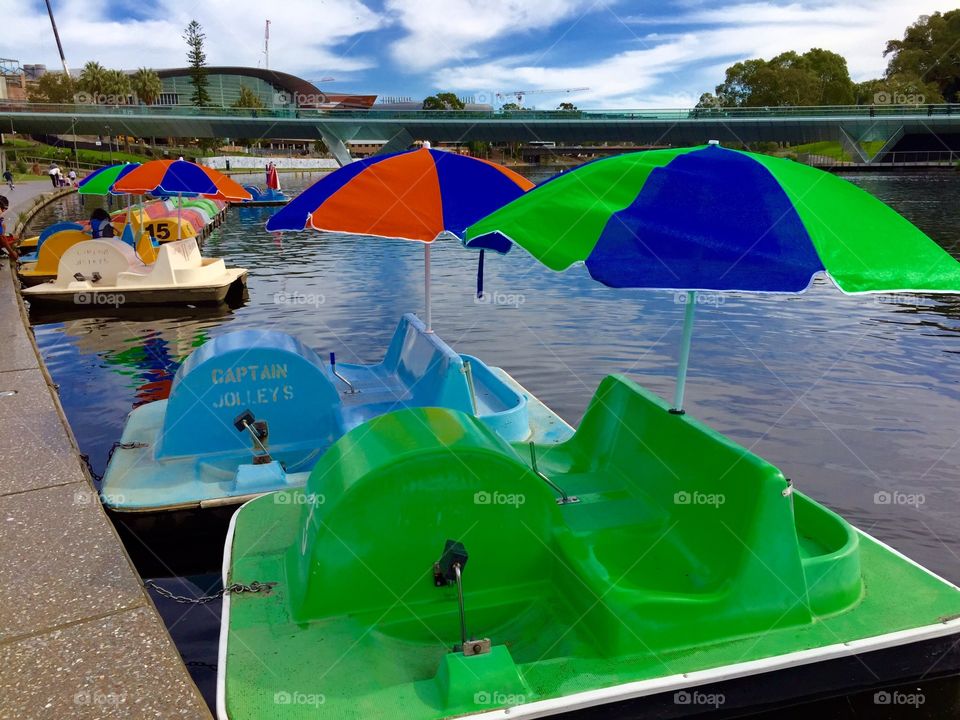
(399, 142)
(336, 146)
(891, 142)
(849, 144)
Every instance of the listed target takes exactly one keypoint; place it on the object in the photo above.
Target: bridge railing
(905, 158)
(676, 114)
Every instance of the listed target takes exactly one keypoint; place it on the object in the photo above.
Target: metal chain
(113, 448)
(255, 587)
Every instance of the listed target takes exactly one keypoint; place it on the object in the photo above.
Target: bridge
(850, 125)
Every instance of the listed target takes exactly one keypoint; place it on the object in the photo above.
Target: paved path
(23, 197)
(79, 637)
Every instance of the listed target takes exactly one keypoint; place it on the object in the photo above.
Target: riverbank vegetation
(923, 68)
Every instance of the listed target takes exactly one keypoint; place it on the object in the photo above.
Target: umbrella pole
(179, 205)
(426, 286)
(684, 353)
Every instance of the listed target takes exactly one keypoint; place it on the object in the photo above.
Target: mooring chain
(113, 448)
(255, 587)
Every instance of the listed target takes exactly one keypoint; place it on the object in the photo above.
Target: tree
(92, 79)
(147, 85)
(248, 99)
(510, 107)
(52, 87)
(116, 87)
(710, 101)
(818, 77)
(900, 89)
(929, 53)
(443, 101)
(197, 60)
(568, 106)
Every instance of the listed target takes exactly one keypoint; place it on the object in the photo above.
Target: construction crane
(519, 94)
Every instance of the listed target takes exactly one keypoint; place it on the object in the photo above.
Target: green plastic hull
(687, 560)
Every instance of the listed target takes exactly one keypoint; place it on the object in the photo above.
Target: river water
(855, 398)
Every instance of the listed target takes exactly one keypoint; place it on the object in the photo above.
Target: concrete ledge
(79, 636)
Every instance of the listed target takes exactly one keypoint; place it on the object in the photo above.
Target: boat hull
(178, 295)
(881, 681)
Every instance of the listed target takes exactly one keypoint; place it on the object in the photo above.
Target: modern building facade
(275, 89)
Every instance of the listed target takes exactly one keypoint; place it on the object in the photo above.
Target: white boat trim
(225, 618)
(643, 688)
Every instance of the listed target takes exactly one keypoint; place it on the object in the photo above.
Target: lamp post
(109, 142)
(73, 131)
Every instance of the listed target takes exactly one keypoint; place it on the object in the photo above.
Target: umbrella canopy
(100, 182)
(414, 195)
(709, 218)
(180, 177)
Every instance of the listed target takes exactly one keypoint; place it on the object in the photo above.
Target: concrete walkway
(79, 637)
(23, 197)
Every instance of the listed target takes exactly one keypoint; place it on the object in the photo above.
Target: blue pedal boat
(251, 412)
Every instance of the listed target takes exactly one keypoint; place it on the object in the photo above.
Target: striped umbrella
(414, 195)
(709, 218)
(100, 182)
(180, 178)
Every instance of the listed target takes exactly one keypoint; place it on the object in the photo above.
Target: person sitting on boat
(100, 224)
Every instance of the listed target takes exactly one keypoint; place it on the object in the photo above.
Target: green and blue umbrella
(100, 182)
(713, 219)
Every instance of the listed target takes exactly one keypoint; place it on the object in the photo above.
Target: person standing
(8, 178)
(54, 173)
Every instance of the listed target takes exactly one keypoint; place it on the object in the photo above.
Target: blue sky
(629, 54)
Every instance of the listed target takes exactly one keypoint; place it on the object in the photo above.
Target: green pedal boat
(645, 567)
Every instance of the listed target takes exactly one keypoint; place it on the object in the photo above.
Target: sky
(627, 53)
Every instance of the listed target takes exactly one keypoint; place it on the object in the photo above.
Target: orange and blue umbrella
(414, 195)
(181, 178)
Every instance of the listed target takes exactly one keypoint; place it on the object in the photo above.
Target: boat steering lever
(446, 571)
(564, 499)
(259, 432)
(341, 378)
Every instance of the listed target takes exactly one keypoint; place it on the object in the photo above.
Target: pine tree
(197, 59)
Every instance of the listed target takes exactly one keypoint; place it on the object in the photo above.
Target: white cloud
(439, 31)
(304, 37)
(677, 66)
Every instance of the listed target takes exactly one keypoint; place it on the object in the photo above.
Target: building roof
(304, 92)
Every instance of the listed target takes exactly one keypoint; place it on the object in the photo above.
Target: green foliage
(248, 99)
(443, 101)
(930, 53)
(568, 106)
(510, 107)
(320, 147)
(197, 61)
(93, 78)
(709, 101)
(117, 86)
(899, 89)
(53, 87)
(147, 85)
(818, 77)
